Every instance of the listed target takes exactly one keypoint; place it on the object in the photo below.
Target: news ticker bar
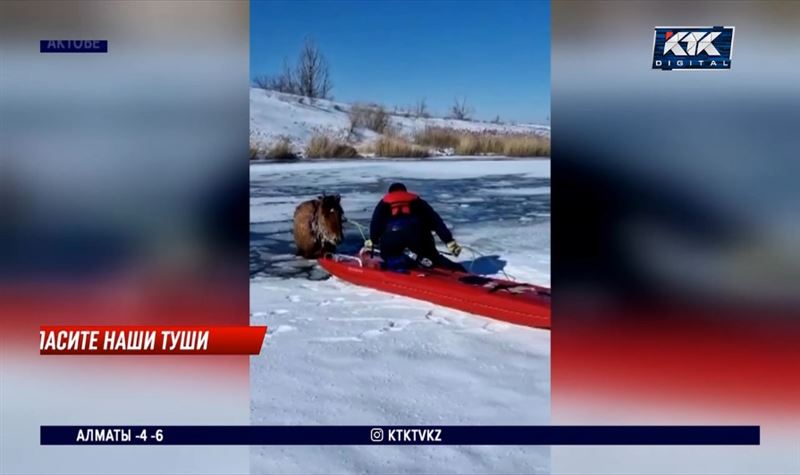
(400, 435)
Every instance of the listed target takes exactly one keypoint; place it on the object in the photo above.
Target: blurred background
(696, 172)
(676, 256)
(123, 200)
(130, 156)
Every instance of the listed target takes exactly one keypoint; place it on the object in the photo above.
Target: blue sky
(494, 53)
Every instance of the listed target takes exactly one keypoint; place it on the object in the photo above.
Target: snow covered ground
(274, 115)
(336, 353)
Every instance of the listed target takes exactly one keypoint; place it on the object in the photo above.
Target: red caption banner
(150, 340)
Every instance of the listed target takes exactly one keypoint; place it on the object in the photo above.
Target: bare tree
(283, 82)
(460, 109)
(262, 81)
(288, 81)
(313, 73)
(275, 83)
(310, 77)
(421, 109)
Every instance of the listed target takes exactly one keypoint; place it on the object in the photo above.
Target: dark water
(272, 248)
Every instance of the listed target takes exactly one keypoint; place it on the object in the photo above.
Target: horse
(318, 226)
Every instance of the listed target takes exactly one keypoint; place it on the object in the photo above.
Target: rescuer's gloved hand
(368, 244)
(454, 248)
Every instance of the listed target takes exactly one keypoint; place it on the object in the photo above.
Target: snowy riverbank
(275, 116)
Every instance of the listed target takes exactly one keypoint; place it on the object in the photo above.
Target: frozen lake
(475, 197)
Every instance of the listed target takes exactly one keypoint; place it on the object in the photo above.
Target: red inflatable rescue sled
(509, 301)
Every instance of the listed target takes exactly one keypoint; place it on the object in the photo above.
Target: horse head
(329, 219)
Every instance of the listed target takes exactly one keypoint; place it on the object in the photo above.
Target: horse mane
(313, 227)
(316, 216)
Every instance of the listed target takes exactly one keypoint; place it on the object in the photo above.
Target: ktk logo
(693, 48)
(696, 42)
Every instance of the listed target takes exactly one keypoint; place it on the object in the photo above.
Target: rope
(360, 227)
(475, 252)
